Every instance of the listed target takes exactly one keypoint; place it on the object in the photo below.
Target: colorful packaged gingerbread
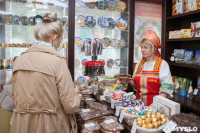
(189, 5)
(177, 7)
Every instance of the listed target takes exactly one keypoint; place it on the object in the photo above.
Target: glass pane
(101, 23)
(17, 23)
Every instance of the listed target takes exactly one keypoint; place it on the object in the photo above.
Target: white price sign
(195, 92)
(169, 127)
(133, 130)
(89, 125)
(86, 110)
(112, 104)
(109, 121)
(117, 111)
(121, 116)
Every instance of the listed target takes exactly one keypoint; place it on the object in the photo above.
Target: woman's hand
(76, 89)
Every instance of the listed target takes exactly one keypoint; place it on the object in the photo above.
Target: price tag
(85, 110)
(89, 125)
(95, 93)
(195, 92)
(88, 99)
(155, 101)
(117, 111)
(109, 121)
(169, 127)
(121, 116)
(133, 130)
(112, 104)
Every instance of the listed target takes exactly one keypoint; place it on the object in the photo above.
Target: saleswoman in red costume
(152, 75)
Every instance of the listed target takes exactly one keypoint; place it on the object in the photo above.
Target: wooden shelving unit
(191, 71)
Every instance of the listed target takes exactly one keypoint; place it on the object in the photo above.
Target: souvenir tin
(24, 20)
(77, 63)
(114, 43)
(91, 5)
(65, 21)
(102, 60)
(11, 61)
(80, 3)
(111, 23)
(32, 20)
(121, 23)
(106, 42)
(121, 43)
(88, 46)
(81, 20)
(84, 60)
(81, 79)
(102, 22)
(110, 63)
(78, 41)
(121, 6)
(16, 19)
(101, 5)
(38, 19)
(112, 5)
(98, 43)
(8, 19)
(118, 62)
(90, 21)
(5, 63)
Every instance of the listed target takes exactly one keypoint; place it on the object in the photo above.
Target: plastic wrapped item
(186, 120)
(111, 125)
(91, 126)
(95, 114)
(105, 131)
(98, 106)
(87, 92)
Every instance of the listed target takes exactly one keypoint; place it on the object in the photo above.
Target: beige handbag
(6, 100)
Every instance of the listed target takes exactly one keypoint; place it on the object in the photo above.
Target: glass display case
(17, 22)
(101, 34)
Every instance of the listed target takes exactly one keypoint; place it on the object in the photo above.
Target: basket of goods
(186, 120)
(150, 123)
(91, 126)
(113, 95)
(130, 114)
(105, 84)
(128, 101)
(111, 126)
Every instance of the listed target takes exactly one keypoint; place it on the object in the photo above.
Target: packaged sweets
(91, 126)
(94, 114)
(111, 125)
(189, 5)
(185, 33)
(98, 106)
(195, 29)
(198, 4)
(177, 7)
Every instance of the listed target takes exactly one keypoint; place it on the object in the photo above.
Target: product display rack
(177, 22)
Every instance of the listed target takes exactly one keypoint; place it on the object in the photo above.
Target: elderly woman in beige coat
(43, 92)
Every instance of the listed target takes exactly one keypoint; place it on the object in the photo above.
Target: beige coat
(43, 93)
